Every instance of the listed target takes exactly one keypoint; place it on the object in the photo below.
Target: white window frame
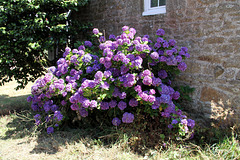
(148, 10)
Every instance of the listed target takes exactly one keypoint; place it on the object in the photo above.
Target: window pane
(162, 2)
(154, 3)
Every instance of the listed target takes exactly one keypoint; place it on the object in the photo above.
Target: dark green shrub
(29, 28)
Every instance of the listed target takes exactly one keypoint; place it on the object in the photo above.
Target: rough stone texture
(209, 28)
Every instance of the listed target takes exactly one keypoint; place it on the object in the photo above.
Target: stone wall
(211, 31)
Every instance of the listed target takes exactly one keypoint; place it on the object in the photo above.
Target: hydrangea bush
(124, 75)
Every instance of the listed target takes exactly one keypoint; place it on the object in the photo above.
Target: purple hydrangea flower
(29, 99)
(183, 116)
(170, 126)
(102, 60)
(54, 107)
(162, 59)
(182, 66)
(184, 122)
(126, 61)
(113, 103)
(174, 121)
(107, 74)
(143, 95)
(95, 31)
(165, 45)
(185, 49)
(154, 106)
(112, 36)
(50, 130)
(165, 98)
(138, 61)
(160, 32)
(83, 112)
(105, 86)
(181, 53)
(104, 105)
(124, 28)
(133, 31)
(52, 69)
(63, 103)
(102, 39)
(81, 48)
(124, 69)
(116, 121)
(37, 117)
(172, 42)
(138, 88)
(147, 80)
(133, 102)
(86, 103)
(146, 73)
(154, 55)
(152, 91)
(139, 48)
(157, 45)
(179, 58)
(160, 40)
(156, 81)
(190, 123)
(179, 112)
(58, 115)
(88, 44)
(127, 117)
(169, 52)
(74, 107)
(107, 65)
(122, 105)
(124, 36)
(74, 51)
(98, 76)
(187, 55)
(93, 104)
(122, 95)
(87, 58)
(162, 74)
(67, 49)
(176, 95)
(89, 69)
(151, 98)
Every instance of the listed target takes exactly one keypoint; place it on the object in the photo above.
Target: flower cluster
(126, 73)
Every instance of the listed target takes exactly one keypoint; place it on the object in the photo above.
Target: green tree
(28, 29)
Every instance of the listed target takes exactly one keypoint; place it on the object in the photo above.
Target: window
(152, 7)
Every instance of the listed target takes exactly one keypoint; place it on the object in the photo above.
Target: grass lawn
(20, 140)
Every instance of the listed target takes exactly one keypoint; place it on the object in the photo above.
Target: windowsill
(154, 11)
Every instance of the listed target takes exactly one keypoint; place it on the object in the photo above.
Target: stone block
(207, 2)
(232, 62)
(238, 76)
(210, 58)
(213, 40)
(209, 94)
(235, 89)
(227, 7)
(229, 73)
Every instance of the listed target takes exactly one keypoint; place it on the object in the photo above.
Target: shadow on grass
(54, 143)
(10, 104)
(21, 125)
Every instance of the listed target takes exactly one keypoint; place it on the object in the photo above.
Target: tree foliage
(28, 29)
